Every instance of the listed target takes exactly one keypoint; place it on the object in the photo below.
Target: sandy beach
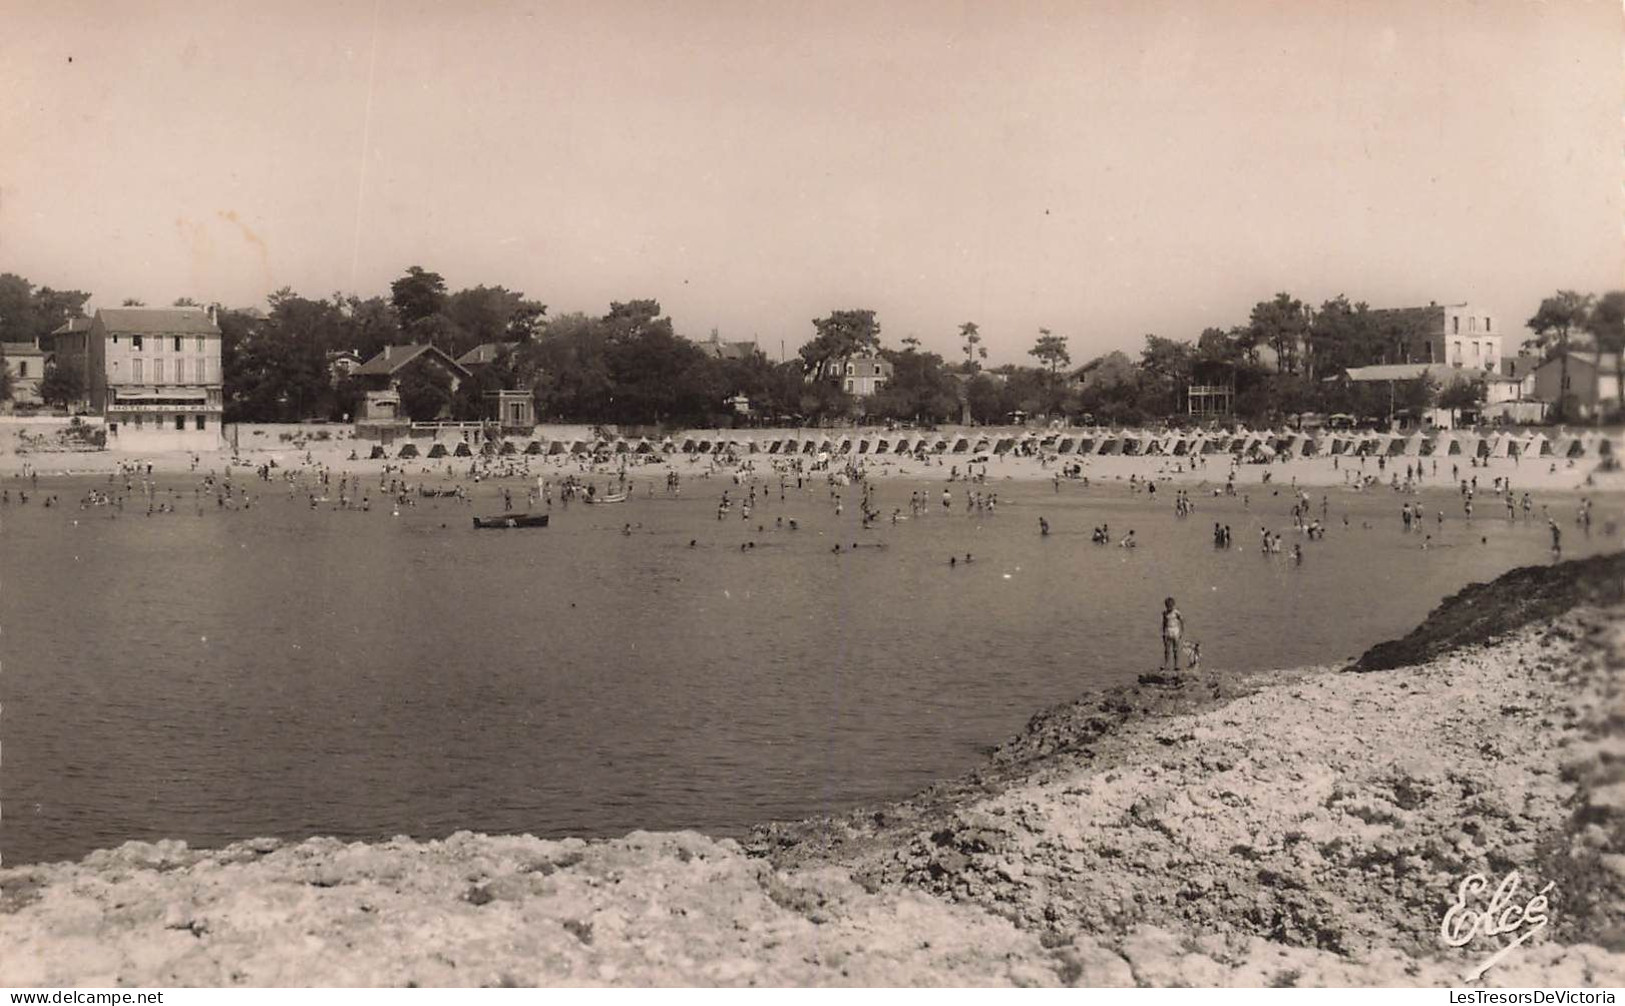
(264, 445)
(1308, 827)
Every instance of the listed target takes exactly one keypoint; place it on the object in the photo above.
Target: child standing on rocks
(1173, 630)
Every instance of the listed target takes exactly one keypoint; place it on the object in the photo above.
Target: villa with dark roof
(382, 377)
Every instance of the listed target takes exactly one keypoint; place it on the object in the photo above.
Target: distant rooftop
(484, 353)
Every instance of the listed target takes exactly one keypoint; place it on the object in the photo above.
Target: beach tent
(508, 447)
(462, 450)
(1412, 445)
(982, 444)
(534, 447)
(377, 452)
(1111, 445)
(408, 451)
(1066, 445)
(557, 447)
(488, 449)
(961, 445)
(643, 447)
(437, 450)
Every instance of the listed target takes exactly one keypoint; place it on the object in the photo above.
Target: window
(157, 372)
(115, 340)
(180, 370)
(201, 424)
(1455, 324)
(177, 344)
(850, 370)
(135, 371)
(849, 384)
(22, 368)
(135, 340)
(112, 428)
(180, 422)
(199, 344)
(1472, 323)
(1486, 323)
(140, 421)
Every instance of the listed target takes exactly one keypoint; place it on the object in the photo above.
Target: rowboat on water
(513, 520)
(616, 498)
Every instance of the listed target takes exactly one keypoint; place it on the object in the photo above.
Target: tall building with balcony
(153, 374)
(1454, 335)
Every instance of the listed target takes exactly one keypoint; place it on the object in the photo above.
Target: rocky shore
(1309, 827)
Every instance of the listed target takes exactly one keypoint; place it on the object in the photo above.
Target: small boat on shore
(429, 493)
(615, 498)
(512, 520)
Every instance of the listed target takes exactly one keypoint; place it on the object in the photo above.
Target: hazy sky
(1100, 169)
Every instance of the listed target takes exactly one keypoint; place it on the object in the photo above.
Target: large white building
(1455, 335)
(152, 373)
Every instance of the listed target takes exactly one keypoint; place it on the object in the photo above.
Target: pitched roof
(717, 349)
(21, 349)
(72, 325)
(391, 359)
(158, 320)
(1604, 361)
(485, 352)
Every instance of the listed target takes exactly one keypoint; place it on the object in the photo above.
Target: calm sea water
(219, 675)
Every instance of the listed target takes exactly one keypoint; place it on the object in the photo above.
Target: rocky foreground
(1307, 828)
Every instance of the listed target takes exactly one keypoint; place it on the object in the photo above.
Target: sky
(1103, 170)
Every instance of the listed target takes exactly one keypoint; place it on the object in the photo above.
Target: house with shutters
(152, 373)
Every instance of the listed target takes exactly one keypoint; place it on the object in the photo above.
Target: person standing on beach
(1173, 630)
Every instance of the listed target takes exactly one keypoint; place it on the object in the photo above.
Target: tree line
(630, 366)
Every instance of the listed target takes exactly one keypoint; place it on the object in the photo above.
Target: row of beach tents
(1254, 446)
